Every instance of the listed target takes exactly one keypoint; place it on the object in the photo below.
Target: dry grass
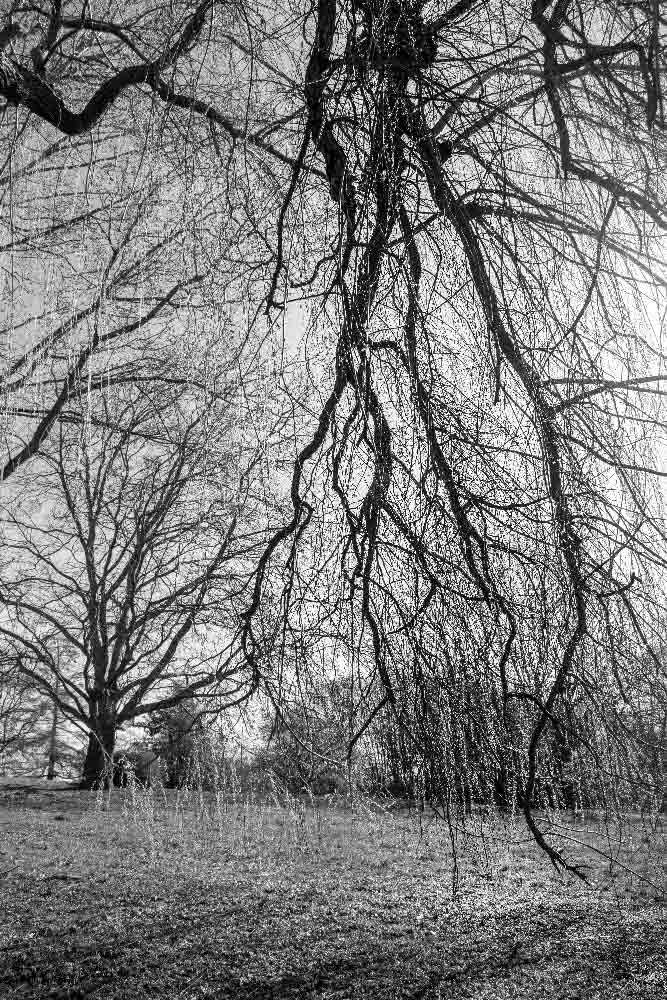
(152, 895)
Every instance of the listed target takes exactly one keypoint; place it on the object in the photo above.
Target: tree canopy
(459, 210)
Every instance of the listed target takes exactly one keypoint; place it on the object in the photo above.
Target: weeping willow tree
(492, 431)
(462, 206)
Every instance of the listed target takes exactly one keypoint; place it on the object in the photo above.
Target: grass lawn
(145, 896)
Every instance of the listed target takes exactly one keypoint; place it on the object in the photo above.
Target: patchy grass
(145, 895)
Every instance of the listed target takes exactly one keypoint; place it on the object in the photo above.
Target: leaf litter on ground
(106, 907)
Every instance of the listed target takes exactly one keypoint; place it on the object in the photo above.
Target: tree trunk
(507, 793)
(51, 771)
(98, 765)
(501, 796)
(564, 758)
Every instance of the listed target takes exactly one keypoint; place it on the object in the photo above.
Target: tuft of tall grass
(223, 810)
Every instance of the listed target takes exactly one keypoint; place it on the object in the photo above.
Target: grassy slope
(136, 902)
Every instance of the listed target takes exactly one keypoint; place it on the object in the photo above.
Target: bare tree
(467, 200)
(129, 547)
(112, 244)
(23, 716)
(489, 430)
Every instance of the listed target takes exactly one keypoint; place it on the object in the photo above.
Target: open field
(142, 895)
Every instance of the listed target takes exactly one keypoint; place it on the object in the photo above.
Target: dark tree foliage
(466, 201)
(174, 733)
(305, 739)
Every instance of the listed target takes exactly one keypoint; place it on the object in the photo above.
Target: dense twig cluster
(473, 521)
